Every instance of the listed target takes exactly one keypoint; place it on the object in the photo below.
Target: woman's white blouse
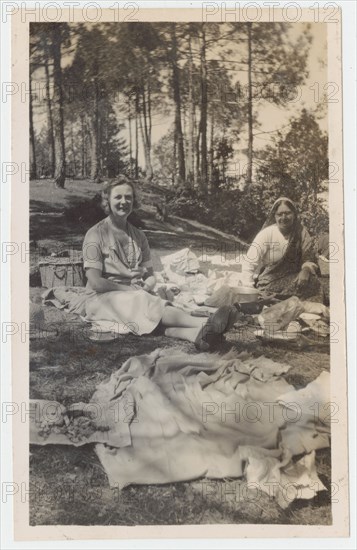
(268, 247)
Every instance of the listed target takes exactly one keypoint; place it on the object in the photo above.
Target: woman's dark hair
(110, 184)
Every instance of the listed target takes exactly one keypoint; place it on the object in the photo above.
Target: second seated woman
(281, 260)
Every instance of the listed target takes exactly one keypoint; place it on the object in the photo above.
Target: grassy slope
(69, 485)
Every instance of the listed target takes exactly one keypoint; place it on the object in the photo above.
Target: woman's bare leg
(174, 317)
(189, 334)
(204, 333)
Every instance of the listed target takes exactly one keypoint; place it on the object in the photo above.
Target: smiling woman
(281, 259)
(121, 278)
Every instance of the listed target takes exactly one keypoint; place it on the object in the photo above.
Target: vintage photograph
(180, 260)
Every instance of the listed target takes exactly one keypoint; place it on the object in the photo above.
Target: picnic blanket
(191, 288)
(215, 416)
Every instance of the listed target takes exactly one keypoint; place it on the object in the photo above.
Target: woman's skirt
(134, 311)
(286, 286)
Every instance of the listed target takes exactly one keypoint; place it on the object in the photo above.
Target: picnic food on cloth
(282, 256)
(79, 424)
(286, 320)
(279, 315)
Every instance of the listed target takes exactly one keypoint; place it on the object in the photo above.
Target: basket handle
(60, 277)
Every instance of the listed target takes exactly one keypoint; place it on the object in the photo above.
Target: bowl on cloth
(250, 308)
(246, 294)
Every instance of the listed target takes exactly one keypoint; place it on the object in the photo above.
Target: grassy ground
(68, 484)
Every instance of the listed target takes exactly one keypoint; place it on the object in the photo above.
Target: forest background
(224, 118)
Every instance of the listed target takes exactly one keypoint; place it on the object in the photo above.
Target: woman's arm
(146, 262)
(308, 261)
(309, 255)
(100, 284)
(253, 258)
(149, 279)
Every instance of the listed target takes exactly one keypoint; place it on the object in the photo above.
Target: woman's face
(284, 218)
(121, 200)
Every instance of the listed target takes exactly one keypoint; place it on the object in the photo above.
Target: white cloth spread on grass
(211, 416)
(190, 287)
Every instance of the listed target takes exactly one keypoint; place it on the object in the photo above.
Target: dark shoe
(210, 335)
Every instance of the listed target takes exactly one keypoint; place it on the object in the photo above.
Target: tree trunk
(73, 152)
(211, 152)
(94, 165)
(94, 169)
(177, 100)
(130, 141)
(137, 115)
(33, 166)
(174, 161)
(191, 121)
(51, 140)
(104, 142)
(203, 121)
(145, 127)
(60, 155)
(197, 151)
(83, 145)
(250, 107)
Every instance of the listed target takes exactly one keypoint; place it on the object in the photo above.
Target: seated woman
(120, 277)
(282, 256)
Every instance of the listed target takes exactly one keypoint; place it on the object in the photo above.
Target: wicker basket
(62, 271)
(324, 266)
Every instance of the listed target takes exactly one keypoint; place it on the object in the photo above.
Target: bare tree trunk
(94, 171)
(211, 152)
(177, 100)
(137, 115)
(191, 120)
(73, 152)
(203, 121)
(33, 166)
(250, 107)
(60, 167)
(195, 148)
(174, 161)
(149, 112)
(145, 126)
(104, 141)
(198, 158)
(51, 140)
(83, 139)
(130, 141)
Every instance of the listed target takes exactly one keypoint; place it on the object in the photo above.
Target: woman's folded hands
(148, 284)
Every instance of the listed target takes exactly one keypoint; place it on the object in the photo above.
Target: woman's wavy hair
(110, 184)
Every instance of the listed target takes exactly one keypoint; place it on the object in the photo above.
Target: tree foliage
(109, 87)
